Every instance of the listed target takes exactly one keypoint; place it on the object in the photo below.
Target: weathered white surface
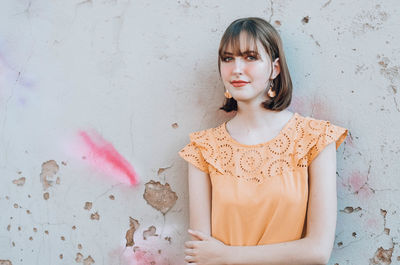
(130, 69)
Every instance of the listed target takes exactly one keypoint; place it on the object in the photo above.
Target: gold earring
(227, 94)
(271, 93)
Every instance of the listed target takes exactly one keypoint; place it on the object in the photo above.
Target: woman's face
(252, 67)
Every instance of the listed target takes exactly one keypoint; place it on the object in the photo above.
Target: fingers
(189, 259)
(189, 251)
(190, 244)
(198, 234)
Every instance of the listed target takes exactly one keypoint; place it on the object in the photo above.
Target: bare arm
(199, 200)
(316, 246)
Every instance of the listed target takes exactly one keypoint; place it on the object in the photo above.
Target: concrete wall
(97, 97)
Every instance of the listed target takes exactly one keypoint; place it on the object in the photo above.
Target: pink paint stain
(357, 180)
(365, 193)
(358, 184)
(143, 257)
(123, 255)
(372, 223)
(126, 256)
(105, 157)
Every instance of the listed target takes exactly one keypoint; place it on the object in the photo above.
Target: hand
(206, 251)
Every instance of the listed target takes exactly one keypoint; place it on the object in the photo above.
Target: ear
(276, 68)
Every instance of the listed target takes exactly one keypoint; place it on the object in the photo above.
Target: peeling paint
(162, 169)
(382, 257)
(88, 261)
(305, 20)
(391, 73)
(112, 197)
(49, 170)
(5, 262)
(350, 209)
(79, 257)
(88, 206)
(159, 196)
(175, 125)
(46, 195)
(19, 182)
(370, 20)
(151, 231)
(134, 225)
(95, 216)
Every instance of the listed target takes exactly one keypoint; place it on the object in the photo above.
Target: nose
(238, 66)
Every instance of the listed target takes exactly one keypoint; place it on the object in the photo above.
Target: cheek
(258, 69)
(225, 72)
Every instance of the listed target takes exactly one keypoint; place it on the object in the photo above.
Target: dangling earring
(227, 94)
(271, 93)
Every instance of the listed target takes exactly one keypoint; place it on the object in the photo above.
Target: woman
(262, 186)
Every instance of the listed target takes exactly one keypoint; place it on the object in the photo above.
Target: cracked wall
(94, 108)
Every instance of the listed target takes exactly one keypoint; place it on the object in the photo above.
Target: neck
(255, 116)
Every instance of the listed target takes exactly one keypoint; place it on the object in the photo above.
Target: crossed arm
(314, 248)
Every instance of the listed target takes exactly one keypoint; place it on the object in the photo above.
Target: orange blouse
(260, 192)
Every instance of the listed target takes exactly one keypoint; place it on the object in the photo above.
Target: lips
(239, 83)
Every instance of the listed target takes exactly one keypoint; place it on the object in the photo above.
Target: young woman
(262, 186)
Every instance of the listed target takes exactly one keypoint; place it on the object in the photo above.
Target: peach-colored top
(260, 192)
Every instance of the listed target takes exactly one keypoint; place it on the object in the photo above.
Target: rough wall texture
(97, 97)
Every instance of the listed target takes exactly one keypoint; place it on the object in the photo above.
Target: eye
(252, 57)
(225, 59)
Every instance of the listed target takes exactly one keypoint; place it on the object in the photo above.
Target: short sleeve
(192, 154)
(328, 134)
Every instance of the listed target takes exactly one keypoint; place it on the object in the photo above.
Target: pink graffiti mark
(359, 184)
(106, 153)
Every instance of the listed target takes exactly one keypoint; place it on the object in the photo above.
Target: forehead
(243, 43)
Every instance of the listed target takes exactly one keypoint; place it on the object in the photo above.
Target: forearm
(302, 251)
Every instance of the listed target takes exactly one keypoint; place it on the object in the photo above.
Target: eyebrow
(245, 52)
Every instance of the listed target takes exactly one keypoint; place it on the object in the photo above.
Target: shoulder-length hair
(259, 29)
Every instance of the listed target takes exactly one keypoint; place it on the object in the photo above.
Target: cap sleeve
(327, 134)
(192, 154)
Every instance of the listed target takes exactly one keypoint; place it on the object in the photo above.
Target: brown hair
(259, 29)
